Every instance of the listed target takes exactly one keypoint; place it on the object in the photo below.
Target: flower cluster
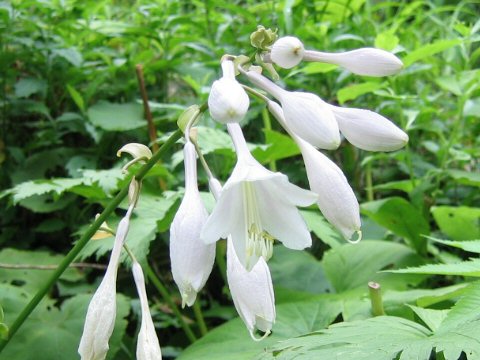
(256, 206)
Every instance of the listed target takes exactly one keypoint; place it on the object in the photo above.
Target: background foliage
(70, 100)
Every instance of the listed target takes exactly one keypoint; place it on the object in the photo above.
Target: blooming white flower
(368, 130)
(365, 61)
(308, 116)
(191, 259)
(148, 347)
(102, 309)
(336, 198)
(228, 102)
(287, 52)
(252, 293)
(257, 206)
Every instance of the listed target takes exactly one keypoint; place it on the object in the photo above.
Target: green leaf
(386, 41)
(279, 146)
(232, 338)
(322, 228)
(472, 108)
(459, 223)
(352, 92)
(77, 98)
(428, 50)
(465, 177)
(31, 279)
(29, 86)
(431, 317)
(471, 245)
(116, 117)
(400, 217)
(464, 268)
(54, 333)
(353, 265)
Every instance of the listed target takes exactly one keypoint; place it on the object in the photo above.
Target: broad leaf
(459, 223)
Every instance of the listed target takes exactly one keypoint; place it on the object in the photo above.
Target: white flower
(366, 61)
(287, 52)
(148, 347)
(228, 102)
(368, 130)
(308, 116)
(336, 198)
(102, 309)
(257, 206)
(191, 259)
(252, 293)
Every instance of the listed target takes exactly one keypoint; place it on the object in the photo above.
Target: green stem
(166, 296)
(199, 316)
(267, 124)
(68, 259)
(376, 299)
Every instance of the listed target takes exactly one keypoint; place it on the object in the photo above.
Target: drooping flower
(257, 206)
(191, 259)
(102, 309)
(252, 293)
(308, 116)
(365, 61)
(368, 130)
(148, 347)
(336, 199)
(287, 52)
(228, 102)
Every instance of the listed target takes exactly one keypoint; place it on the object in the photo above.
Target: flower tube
(257, 206)
(228, 102)
(191, 259)
(336, 199)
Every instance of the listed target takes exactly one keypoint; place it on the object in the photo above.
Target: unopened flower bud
(287, 52)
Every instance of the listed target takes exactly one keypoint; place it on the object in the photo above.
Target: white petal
(336, 198)
(282, 220)
(366, 61)
(252, 292)
(136, 150)
(368, 130)
(290, 193)
(228, 102)
(287, 52)
(310, 118)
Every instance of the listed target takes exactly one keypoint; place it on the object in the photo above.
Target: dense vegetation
(70, 99)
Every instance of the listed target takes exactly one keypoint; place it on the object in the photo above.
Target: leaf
(353, 265)
(428, 50)
(232, 338)
(386, 40)
(465, 177)
(366, 340)
(400, 217)
(352, 92)
(472, 108)
(459, 223)
(29, 86)
(32, 279)
(52, 333)
(322, 228)
(431, 317)
(116, 117)
(77, 98)
(464, 268)
(279, 146)
(471, 245)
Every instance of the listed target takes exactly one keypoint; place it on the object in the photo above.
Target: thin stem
(166, 296)
(199, 316)
(130, 253)
(51, 267)
(267, 124)
(376, 299)
(68, 259)
(202, 160)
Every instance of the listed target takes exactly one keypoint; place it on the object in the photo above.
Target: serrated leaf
(431, 317)
(465, 268)
(471, 246)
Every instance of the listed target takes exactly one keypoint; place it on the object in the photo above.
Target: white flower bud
(368, 130)
(365, 61)
(148, 347)
(252, 293)
(191, 259)
(306, 115)
(228, 102)
(102, 309)
(287, 52)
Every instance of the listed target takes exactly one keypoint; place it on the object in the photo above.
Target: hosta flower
(228, 102)
(257, 206)
(191, 259)
(101, 312)
(287, 52)
(308, 116)
(366, 61)
(148, 347)
(252, 293)
(336, 199)
(368, 130)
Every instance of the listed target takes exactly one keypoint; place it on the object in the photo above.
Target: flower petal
(287, 52)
